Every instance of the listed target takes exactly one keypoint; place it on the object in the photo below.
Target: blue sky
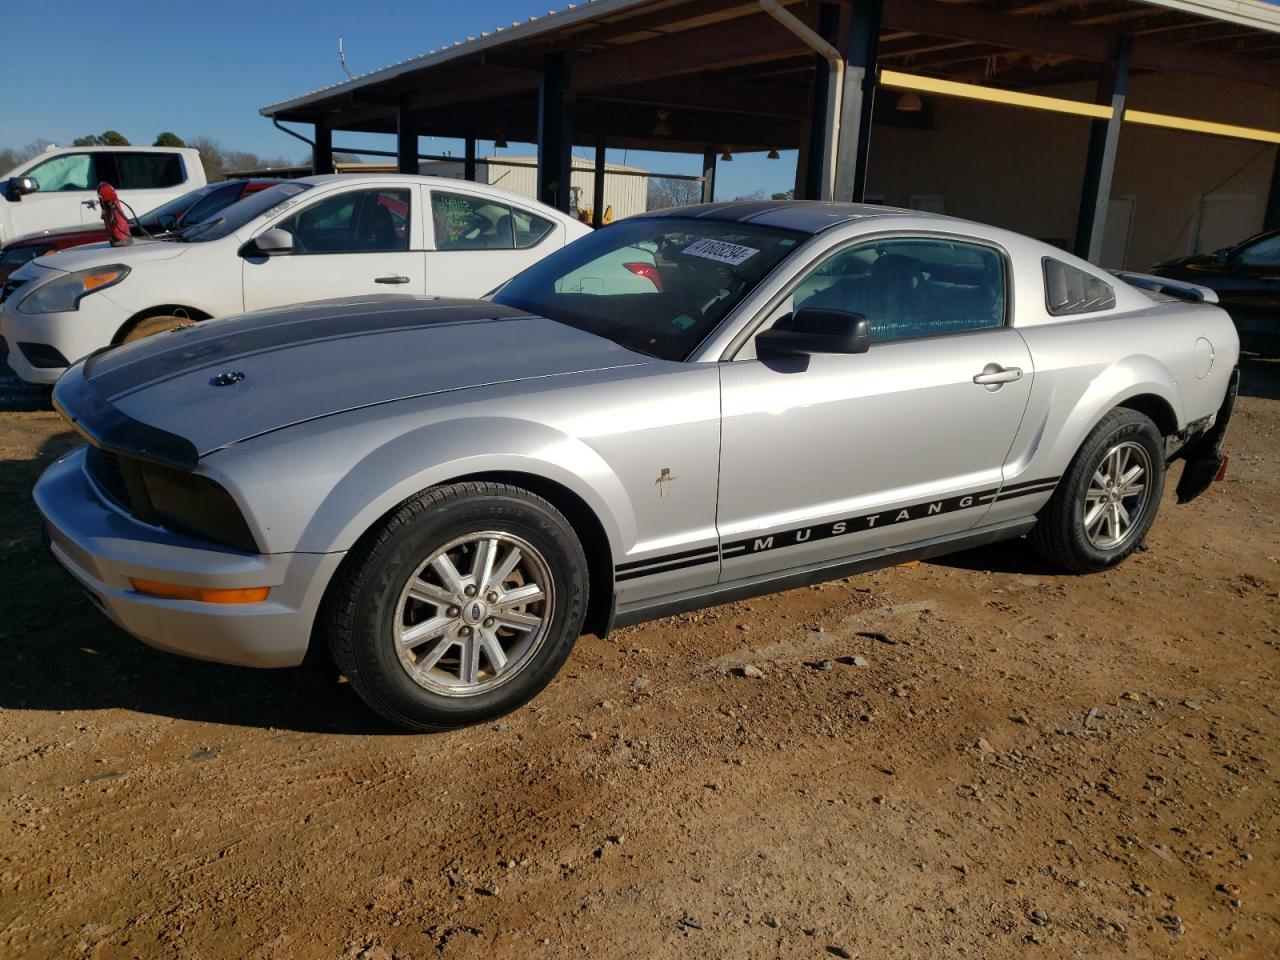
(142, 66)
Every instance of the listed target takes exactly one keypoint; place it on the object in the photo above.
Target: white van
(57, 188)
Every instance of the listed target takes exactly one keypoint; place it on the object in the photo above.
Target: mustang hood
(180, 395)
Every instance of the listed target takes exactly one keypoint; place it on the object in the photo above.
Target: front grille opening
(183, 502)
(42, 356)
(104, 469)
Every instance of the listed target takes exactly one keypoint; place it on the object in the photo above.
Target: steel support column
(1100, 164)
(709, 157)
(1271, 219)
(555, 138)
(597, 191)
(322, 152)
(406, 138)
(814, 151)
(469, 159)
(860, 79)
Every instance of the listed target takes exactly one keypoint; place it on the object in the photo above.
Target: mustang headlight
(65, 293)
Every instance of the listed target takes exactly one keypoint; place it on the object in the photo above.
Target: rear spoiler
(1191, 292)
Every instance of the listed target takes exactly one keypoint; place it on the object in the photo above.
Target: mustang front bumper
(103, 548)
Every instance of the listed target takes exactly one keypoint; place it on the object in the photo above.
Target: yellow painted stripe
(1201, 126)
(972, 91)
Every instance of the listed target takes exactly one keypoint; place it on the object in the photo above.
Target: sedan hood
(180, 395)
(101, 254)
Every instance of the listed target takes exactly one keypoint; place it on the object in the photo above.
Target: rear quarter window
(148, 171)
(1069, 291)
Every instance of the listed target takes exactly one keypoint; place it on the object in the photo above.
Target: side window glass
(529, 227)
(910, 288)
(1069, 290)
(471, 223)
(68, 171)
(1264, 253)
(148, 171)
(357, 221)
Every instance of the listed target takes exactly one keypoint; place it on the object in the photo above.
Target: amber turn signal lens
(176, 591)
(96, 280)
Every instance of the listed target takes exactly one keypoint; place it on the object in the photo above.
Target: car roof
(806, 216)
(444, 183)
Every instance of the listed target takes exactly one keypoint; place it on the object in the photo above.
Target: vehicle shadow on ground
(63, 654)
(1259, 376)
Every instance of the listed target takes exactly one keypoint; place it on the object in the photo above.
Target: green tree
(169, 139)
(111, 138)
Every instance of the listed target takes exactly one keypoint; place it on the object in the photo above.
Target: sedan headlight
(66, 292)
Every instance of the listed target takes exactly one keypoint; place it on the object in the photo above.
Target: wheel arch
(160, 310)
(591, 534)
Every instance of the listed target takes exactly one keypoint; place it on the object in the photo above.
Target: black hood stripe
(116, 373)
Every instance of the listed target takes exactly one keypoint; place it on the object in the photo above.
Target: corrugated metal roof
(552, 20)
(1259, 14)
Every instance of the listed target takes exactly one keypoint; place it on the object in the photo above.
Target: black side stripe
(710, 555)
(837, 528)
(635, 564)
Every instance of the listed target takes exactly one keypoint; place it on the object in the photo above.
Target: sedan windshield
(241, 212)
(656, 285)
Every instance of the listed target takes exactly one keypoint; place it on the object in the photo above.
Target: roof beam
(738, 42)
(1086, 43)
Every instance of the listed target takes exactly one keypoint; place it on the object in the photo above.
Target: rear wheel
(149, 326)
(1107, 501)
(460, 608)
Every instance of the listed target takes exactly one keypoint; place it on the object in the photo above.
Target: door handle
(91, 204)
(391, 280)
(993, 376)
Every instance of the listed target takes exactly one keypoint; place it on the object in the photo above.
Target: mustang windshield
(241, 212)
(655, 285)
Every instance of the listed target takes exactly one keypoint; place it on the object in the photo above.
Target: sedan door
(481, 242)
(349, 242)
(830, 456)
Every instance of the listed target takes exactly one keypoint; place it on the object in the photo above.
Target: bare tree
(10, 157)
(666, 192)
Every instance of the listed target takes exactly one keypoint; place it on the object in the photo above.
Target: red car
(191, 208)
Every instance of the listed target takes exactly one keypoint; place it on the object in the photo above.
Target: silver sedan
(681, 409)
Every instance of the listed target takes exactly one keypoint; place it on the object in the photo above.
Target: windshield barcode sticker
(730, 253)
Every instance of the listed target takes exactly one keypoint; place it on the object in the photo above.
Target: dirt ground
(973, 757)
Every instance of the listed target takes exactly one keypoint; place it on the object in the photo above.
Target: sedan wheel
(474, 613)
(1117, 495)
(1107, 500)
(461, 606)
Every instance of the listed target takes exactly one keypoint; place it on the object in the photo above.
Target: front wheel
(1107, 501)
(461, 607)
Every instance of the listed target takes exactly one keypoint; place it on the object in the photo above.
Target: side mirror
(815, 330)
(270, 243)
(21, 186)
(1222, 256)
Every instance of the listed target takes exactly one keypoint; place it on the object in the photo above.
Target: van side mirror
(1222, 256)
(815, 330)
(21, 186)
(270, 243)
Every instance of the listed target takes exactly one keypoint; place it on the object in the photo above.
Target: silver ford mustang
(681, 409)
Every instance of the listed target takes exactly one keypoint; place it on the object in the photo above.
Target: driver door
(364, 240)
(829, 456)
(66, 197)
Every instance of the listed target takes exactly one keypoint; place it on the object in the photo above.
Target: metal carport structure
(704, 76)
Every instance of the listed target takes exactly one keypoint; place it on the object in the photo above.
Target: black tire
(1059, 534)
(362, 610)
